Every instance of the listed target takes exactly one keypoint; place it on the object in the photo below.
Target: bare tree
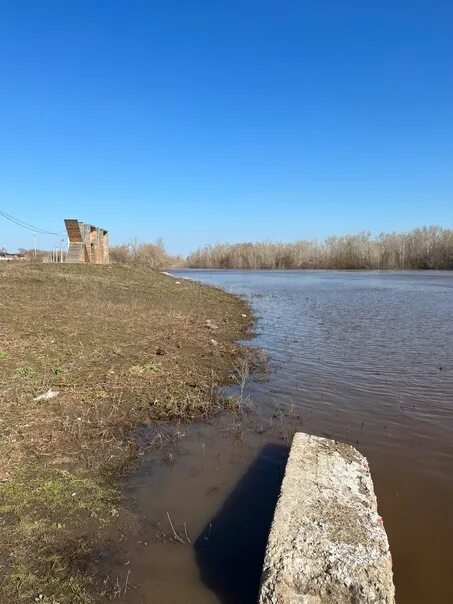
(423, 248)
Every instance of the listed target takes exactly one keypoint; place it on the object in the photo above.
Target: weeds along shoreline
(88, 354)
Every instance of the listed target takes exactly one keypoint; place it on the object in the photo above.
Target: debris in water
(175, 534)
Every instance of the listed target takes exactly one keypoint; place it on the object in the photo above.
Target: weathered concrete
(327, 542)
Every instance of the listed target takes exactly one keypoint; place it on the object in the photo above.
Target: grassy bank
(123, 347)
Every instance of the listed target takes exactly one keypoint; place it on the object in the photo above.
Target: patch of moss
(47, 492)
(145, 368)
(4, 447)
(24, 372)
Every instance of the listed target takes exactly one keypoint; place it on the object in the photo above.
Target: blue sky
(225, 120)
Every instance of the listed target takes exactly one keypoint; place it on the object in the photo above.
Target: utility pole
(34, 245)
(61, 249)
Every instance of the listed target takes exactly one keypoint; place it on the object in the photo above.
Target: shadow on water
(230, 549)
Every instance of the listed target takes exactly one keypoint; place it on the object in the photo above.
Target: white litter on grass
(210, 324)
(214, 342)
(244, 316)
(47, 395)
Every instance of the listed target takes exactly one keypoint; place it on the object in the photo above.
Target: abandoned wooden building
(87, 243)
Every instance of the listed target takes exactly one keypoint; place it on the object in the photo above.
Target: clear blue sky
(199, 121)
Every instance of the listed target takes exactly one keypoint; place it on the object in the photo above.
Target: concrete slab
(327, 541)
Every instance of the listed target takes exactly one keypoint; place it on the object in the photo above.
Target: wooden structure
(87, 243)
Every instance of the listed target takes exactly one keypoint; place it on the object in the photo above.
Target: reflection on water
(366, 358)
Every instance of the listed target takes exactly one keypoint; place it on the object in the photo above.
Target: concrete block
(327, 541)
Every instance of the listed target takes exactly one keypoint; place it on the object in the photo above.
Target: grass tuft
(24, 372)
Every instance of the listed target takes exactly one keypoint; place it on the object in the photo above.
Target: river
(362, 357)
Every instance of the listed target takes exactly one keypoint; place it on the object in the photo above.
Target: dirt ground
(123, 347)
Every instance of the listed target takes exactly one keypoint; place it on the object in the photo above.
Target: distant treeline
(153, 255)
(423, 248)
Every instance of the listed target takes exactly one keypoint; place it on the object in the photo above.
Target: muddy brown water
(362, 357)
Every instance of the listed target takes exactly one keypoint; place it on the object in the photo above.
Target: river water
(362, 357)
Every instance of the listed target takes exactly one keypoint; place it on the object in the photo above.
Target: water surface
(362, 357)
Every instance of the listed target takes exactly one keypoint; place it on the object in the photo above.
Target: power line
(26, 225)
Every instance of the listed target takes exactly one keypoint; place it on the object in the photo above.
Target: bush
(153, 255)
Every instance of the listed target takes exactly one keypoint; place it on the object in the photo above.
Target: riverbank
(87, 355)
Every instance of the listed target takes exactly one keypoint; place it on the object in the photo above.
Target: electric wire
(26, 225)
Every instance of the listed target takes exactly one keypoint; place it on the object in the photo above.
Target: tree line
(422, 248)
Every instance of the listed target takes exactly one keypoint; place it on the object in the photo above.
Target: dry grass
(91, 333)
